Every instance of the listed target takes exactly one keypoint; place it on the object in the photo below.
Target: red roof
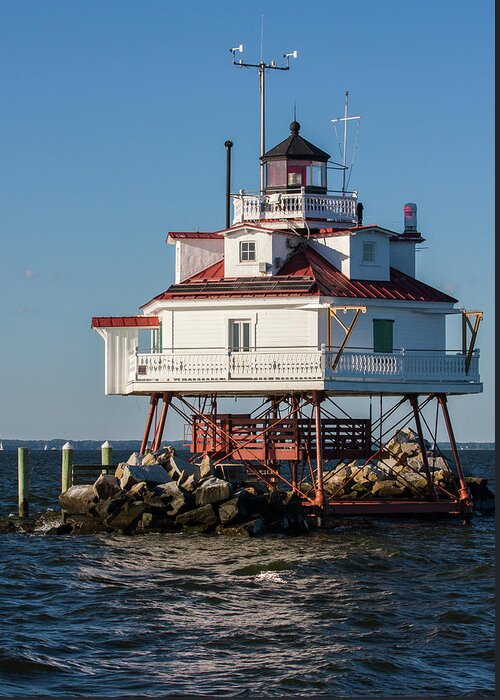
(307, 273)
(212, 272)
(331, 282)
(193, 234)
(124, 321)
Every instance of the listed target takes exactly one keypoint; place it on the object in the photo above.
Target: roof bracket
(332, 312)
(466, 324)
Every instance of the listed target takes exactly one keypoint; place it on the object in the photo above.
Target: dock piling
(106, 456)
(23, 478)
(67, 467)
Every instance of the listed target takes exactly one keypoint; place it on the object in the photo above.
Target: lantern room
(295, 164)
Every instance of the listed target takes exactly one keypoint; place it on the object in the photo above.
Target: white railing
(299, 205)
(278, 366)
(403, 366)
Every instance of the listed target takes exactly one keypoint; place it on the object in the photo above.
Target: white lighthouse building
(300, 302)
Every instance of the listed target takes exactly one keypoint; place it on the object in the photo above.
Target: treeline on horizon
(56, 443)
(134, 445)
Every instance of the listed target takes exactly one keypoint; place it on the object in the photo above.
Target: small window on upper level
(247, 251)
(369, 252)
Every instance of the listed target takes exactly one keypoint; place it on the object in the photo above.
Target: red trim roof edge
(125, 321)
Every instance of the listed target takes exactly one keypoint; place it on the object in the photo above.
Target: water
(380, 608)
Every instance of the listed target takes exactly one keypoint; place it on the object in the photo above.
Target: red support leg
(413, 398)
(161, 425)
(464, 492)
(153, 402)
(319, 490)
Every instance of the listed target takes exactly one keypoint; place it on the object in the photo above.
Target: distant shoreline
(134, 445)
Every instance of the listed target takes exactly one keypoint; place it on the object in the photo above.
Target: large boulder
(213, 490)
(106, 486)
(388, 488)
(251, 528)
(78, 499)
(152, 474)
(134, 460)
(204, 469)
(51, 523)
(7, 525)
(138, 491)
(167, 492)
(82, 524)
(235, 509)
(415, 483)
(205, 515)
(127, 517)
(103, 509)
(179, 468)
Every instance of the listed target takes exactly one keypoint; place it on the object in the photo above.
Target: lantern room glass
(296, 173)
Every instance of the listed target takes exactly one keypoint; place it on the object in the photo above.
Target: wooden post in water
(106, 456)
(67, 467)
(23, 480)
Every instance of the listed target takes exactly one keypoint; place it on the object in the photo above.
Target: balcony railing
(299, 205)
(199, 366)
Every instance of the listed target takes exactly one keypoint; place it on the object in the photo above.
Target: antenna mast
(344, 119)
(262, 66)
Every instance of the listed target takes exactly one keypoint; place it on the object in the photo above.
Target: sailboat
(1, 445)
(46, 447)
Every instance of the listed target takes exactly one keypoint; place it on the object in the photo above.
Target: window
(247, 251)
(316, 174)
(239, 333)
(276, 173)
(383, 335)
(368, 252)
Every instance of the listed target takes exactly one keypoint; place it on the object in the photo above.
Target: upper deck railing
(295, 205)
(207, 366)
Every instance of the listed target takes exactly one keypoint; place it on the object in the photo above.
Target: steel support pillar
(167, 398)
(153, 402)
(464, 492)
(413, 399)
(319, 489)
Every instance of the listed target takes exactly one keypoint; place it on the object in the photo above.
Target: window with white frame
(239, 336)
(247, 251)
(369, 251)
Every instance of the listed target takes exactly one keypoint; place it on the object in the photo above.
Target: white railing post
(323, 360)
(403, 365)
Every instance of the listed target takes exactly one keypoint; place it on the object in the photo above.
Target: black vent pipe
(228, 145)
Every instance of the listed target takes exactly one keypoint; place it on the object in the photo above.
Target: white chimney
(410, 217)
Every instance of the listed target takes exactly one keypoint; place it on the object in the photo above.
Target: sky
(112, 128)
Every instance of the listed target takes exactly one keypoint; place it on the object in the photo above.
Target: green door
(382, 335)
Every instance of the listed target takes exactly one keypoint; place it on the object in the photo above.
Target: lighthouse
(300, 305)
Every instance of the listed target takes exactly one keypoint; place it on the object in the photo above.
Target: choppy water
(382, 608)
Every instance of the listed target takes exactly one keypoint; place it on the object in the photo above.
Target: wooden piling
(23, 480)
(106, 456)
(67, 467)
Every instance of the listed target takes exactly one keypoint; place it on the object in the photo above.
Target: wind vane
(344, 119)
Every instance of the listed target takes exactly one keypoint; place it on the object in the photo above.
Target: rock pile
(164, 492)
(399, 473)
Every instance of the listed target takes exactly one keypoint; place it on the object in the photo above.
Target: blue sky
(113, 121)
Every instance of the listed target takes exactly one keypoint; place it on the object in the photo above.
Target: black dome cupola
(295, 163)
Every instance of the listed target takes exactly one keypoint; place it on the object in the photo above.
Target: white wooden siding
(413, 330)
(402, 256)
(270, 328)
(194, 255)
